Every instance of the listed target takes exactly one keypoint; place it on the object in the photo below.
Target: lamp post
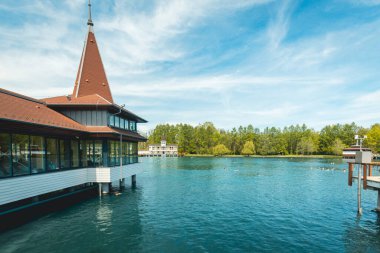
(360, 140)
(120, 148)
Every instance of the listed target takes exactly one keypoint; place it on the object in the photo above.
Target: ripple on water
(204, 205)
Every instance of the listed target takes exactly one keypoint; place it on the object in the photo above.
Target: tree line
(247, 140)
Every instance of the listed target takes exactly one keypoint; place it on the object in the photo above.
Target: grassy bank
(268, 156)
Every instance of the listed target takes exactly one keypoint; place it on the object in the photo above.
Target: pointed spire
(91, 77)
(89, 22)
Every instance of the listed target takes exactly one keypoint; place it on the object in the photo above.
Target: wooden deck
(371, 183)
(369, 180)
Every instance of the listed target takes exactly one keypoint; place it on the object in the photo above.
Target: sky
(259, 62)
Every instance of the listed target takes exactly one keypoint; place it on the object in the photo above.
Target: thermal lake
(215, 205)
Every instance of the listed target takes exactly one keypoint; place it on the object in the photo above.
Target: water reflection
(103, 217)
(215, 205)
(363, 235)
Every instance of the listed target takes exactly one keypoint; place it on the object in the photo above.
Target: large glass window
(24, 154)
(20, 154)
(130, 152)
(86, 152)
(117, 153)
(64, 152)
(125, 153)
(5, 155)
(37, 154)
(117, 121)
(122, 123)
(52, 154)
(111, 153)
(132, 125)
(133, 152)
(112, 120)
(91, 154)
(74, 154)
(98, 153)
(126, 125)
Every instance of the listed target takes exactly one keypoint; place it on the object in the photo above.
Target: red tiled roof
(91, 77)
(17, 107)
(93, 99)
(21, 108)
(106, 129)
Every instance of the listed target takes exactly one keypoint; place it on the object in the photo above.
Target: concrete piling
(133, 181)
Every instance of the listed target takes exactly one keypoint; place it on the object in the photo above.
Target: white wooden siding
(18, 188)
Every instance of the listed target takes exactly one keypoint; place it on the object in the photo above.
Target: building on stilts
(57, 146)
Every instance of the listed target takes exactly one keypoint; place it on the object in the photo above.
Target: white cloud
(161, 74)
(171, 87)
(152, 36)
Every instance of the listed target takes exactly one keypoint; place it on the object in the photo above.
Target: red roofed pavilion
(77, 142)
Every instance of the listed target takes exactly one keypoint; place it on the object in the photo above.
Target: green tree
(294, 139)
(338, 147)
(330, 133)
(373, 138)
(220, 150)
(306, 146)
(249, 148)
(206, 137)
(185, 139)
(271, 142)
(328, 136)
(169, 132)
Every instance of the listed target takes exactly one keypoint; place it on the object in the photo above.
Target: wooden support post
(370, 171)
(350, 171)
(365, 176)
(133, 181)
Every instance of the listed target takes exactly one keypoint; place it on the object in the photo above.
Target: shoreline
(267, 156)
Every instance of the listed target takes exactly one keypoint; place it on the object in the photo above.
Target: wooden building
(52, 146)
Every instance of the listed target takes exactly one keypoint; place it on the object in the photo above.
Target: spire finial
(89, 22)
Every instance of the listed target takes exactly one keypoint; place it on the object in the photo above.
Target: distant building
(162, 149)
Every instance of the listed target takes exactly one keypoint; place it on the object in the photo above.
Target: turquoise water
(215, 205)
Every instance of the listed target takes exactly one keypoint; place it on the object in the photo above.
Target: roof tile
(91, 76)
(17, 107)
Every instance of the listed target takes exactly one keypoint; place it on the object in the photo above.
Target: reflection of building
(162, 149)
(69, 142)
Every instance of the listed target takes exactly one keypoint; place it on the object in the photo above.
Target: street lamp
(120, 147)
(359, 140)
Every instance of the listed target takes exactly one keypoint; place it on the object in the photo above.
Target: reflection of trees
(363, 236)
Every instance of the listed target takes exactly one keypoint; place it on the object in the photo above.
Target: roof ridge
(103, 98)
(54, 97)
(18, 95)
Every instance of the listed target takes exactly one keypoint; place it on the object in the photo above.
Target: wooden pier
(367, 180)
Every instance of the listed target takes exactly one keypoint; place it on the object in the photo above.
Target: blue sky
(259, 62)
